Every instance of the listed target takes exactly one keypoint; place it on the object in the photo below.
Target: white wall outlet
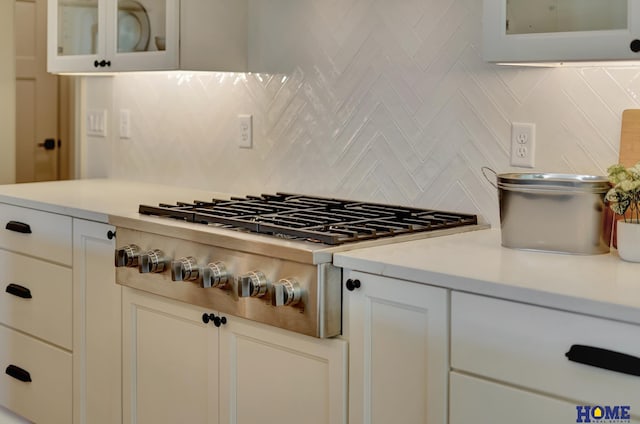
(97, 123)
(523, 144)
(245, 131)
(125, 123)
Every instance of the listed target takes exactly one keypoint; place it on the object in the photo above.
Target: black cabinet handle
(18, 227)
(206, 318)
(18, 373)
(635, 46)
(19, 291)
(352, 284)
(217, 321)
(102, 63)
(111, 234)
(606, 359)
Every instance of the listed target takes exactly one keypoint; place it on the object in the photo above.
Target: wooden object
(630, 138)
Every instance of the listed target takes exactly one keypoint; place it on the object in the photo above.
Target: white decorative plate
(133, 27)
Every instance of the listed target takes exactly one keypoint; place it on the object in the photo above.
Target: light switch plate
(97, 123)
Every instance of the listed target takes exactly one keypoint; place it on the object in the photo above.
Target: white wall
(382, 100)
(7, 93)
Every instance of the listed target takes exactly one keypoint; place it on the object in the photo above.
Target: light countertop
(96, 199)
(600, 285)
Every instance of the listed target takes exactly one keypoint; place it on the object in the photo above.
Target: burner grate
(317, 219)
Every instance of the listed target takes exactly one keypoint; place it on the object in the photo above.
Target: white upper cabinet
(146, 35)
(561, 30)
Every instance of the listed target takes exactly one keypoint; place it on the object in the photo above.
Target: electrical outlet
(125, 123)
(245, 131)
(523, 144)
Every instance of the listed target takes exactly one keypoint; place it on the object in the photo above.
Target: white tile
(387, 100)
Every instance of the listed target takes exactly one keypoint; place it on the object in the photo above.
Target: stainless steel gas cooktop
(265, 258)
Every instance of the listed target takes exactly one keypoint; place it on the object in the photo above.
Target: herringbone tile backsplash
(381, 100)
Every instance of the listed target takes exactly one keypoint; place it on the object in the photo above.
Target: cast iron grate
(317, 219)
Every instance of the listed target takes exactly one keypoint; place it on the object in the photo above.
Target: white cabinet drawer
(41, 234)
(36, 298)
(525, 346)
(474, 400)
(47, 397)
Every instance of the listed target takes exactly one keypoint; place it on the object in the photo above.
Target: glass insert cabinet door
(561, 30)
(112, 35)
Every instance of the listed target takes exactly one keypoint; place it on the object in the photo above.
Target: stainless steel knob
(153, 261)
(215, 274)
(128, 255)
(286, 292)
(185, 269)
(252, 284)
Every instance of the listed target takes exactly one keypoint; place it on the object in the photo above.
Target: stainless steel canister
(553, 212)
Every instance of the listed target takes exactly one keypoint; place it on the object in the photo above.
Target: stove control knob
(286, 292)
(252, 284)
(185, 269)
(215, 275)
(153, 261)
(128, 256)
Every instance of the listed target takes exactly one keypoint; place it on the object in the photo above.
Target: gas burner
(316, 219)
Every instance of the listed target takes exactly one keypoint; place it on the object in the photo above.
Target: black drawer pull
(18, 227)
(18, 290)
(606, 359)
(352, 284)
(18, 373)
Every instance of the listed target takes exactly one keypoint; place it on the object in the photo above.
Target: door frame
(8, 94)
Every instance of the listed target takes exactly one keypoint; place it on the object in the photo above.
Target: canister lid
(572, 182)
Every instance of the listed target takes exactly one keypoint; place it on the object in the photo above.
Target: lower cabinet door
(97, 327)
(170, 362)
(268, 375)
(475, 400)
(8, 417)
(36, 378)
(398, 351)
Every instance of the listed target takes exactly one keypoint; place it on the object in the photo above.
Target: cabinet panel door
(112, 35)
(76, 34)
(505, 41)
(526, 345)
(145, 35)
(35, 378)
(35, 298)
(476, 400)
(170, 362)
(270, 375)
(43, 235)
(398, 361)
(97, 326)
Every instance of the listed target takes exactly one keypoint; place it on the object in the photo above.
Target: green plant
(624, 196)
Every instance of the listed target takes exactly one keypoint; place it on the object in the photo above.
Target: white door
(36, 96)
(398, 351)
(170, 362)
(268, 375)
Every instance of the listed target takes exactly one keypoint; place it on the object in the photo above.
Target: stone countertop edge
(475, 262)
